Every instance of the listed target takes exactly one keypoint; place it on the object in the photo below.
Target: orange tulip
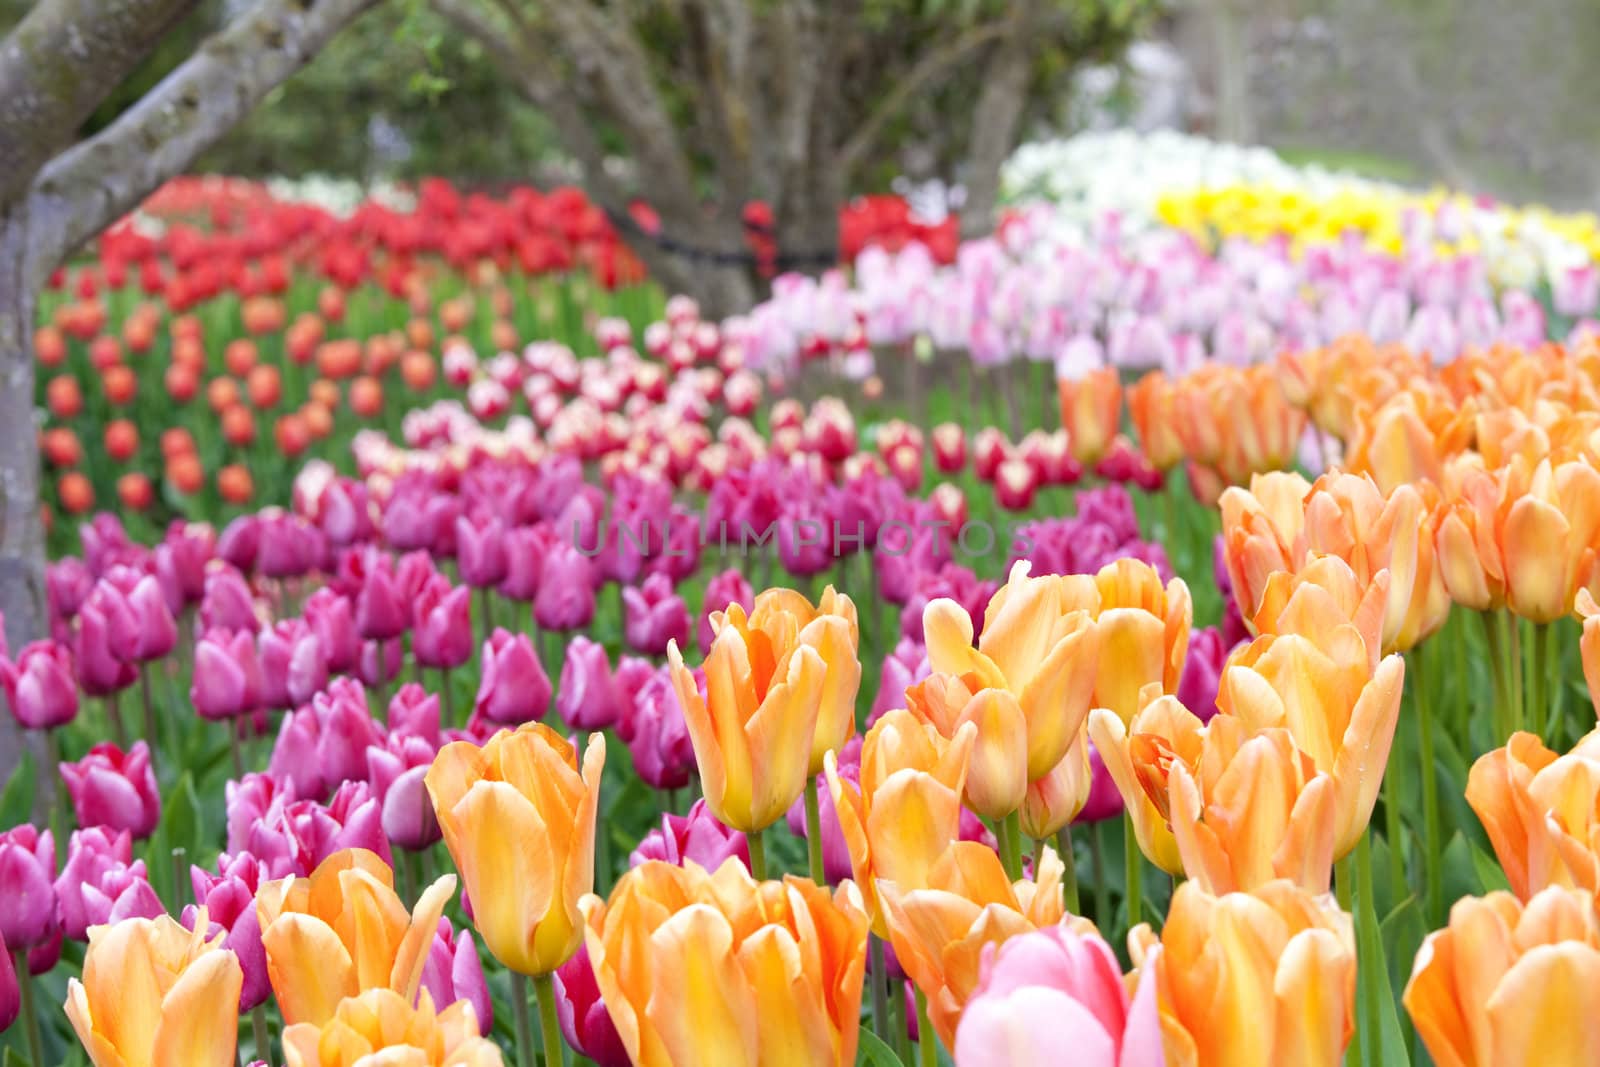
(1091, 411)
(1238, 421)
(1542, 812)
(154, 993)
(1511, 985)
(833, 630)
(754, 728)
(1341, 712)
(939, 932)
(1346, 515)
(1263, 528)
(1547, 524)
(1160, 732)
(1469, 559)
(1259, 979)
(1038, 655)
(716, 968)
(342, 931)
(1321, 596)
(906, 810)
(381, 1026)
(1150, 405)
(997, 777)
(1144, 633)
(1056, 799)
(519, 821)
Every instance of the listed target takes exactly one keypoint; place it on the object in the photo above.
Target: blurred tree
(64, 177)
(717, 104)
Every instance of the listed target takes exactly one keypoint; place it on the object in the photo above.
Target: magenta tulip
(41, 688)
(565, 600)
(325, 743)
(481, 551)
(102, 883)
(30, 917)
(655, 616)
(727, 588)
(250, 800)
(115, 790)
(293, 838)
(515, 688)
(229, 897)
(100, 671)
(10, 992)
(332, 619)
(293, 668)
(382, 611)
(227, 675)
(181, 560)
(396, 770)
(414, 712)
(441, 628)
(454, 972)
(584, 1021)
(588, 698)
(658, 736)
(153, 631)
(697, 836)
(228, 602)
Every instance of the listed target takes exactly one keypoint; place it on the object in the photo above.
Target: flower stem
(900, 1024)
(1069, 860)
(544, 991)
(151, 725)
(814, 831)
(880, 988)
(758, 855)
(1133, 864)
(927, 1041)
(1430, 800)
(232, 726)
(30, 1017)
(1367, 1038)
(119, 732)
(258, 1024)
(1097, 870)
(1394, 834)
(524, 1022)
(1011, 845)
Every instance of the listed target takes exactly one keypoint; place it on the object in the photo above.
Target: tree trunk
(995, 120)
(22, 588)
(1229, 25)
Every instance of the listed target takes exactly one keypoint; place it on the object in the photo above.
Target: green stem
(524, 1022)
(927, 1041)
(1133, 864)
(1069, 861)
(1097, 868)
(544, 991)
(232, 726)
(1544, 676)
(758, 855)
(879, 974)
(814, 831)
(1553, 678)
(1433, 852)
(1368, 1039)
(30, 1017)
(150, 723)
(119, 732)
(1344, 882)
(1519, 712)
(1394, 834)
(1500, 709)
(258, 1025)
(1011, 845)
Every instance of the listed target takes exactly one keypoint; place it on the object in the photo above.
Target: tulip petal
(310, 969)
(200, 1014)
(411, 956)
(947, 631)
(101, 1052)
(1546, 1010)
(700, 1002)
(1032, 1025)
(506, 862)
(1314, 988)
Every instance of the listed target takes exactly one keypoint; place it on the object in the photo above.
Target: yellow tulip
(155, 994)
(906, 810)
(833, 630)
(754, 729)
(1258, 979)
(1144, 634)
(1511, 985)
(702, 968)
(519, 821)
(381, 1027)
(1038, 653)
(939, 931)
(342, 931)
(1542, 812)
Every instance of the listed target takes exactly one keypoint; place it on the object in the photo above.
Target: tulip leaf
(1402, 932)
(872, 1052)
(1490, 875)
(16, 803)
(13, 1058)
(182, 818)
(1378, 1022)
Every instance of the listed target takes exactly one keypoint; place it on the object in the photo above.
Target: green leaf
(16, 803)
(1378, 1023)
(13, 1058)
(1403, 931)
(182, 818)
(1490, 876)
(872, 1052)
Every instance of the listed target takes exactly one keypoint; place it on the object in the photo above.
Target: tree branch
(101, 179)
(61, 62)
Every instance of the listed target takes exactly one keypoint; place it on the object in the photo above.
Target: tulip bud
(655, 615)
(227, 676)
(514, 688)
(31, 916)
(41, 688)
(114, 790)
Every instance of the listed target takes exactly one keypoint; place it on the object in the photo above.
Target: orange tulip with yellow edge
(1464, 540)
(1144, 634)
(906, 810)
(832, 628)
(1342, 713)
(519, 820)
(1547, 525)
(1162, 731)
(701, 968)
(754, 729)
(344, 930)
(1259, 979)
(382, 1027)
(1509, 984)
(1091, 411)
(154, 994)
(1052, 802)
(939, 931)
(1541, 811)
(1263, 529)
(1150, 406)
(1040, 648)
(1346, 515)
(997, 772)
(1321, 596)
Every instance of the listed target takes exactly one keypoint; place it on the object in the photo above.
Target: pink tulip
(1056, 996)
(228, 602)
(414, 712)
(658, 736)
(229, 897)
(481, 551)
(293, 668)
(382, 611)
(724, 589)
(102, 883)
(115, 790)
(153, 632)
(100, 671)
(325, 743)
(11, 993)
(227, 676)
(381, 662)
(835, 854)
(344, 512)
(588, 698)
(181, 560)
(454, 972)
(1202, 671)
(655, 616)
(1575, 291)
(396, 770)
(30, 917)
(697, 836)
(332, 619)
(240, 542)
(565, 600)
(515, 688)
(441, 630)
(250, 800)
(525, 551)
(41, 688)
(585, 1022)
(293, 838)
(904, 667)
(1104, 802)
(289, 546)
(68, 583)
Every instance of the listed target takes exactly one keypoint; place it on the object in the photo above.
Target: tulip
(585, 1022)
(382, 610)
(181, 560)
(31, 916)
(100, 671)
(694, 838)
(155, 993)
(142, 626)
(658, 735)
(1255, 979)
(1262, 532)
(654, 615)
(297, 837)
(1035, 668)
(481, 551)
(396, 773)
(227, 676)
(519, 821)
(332, 619)
(1202, 671)
(41, 686)
(293, 668)
(380, 662)
(1540, 812)
(565, 600)
(11, 992)
(115, 790)
(1341, 712)
(939, 931)
(1346, 515)
(325, 743)
(1151, 402)
(1144, 634)
(1057, 996)
(688, 962)
(723, 589)
(832, 629)
(514, 688)
(589, 698)
(381, 1026)
(414, 712)
(1056, 800)
(1091, 411)
(754, 727)
(441, 629)
(229, 902)
(453, 972)
(1321, 597)
(343, 931)
(102, 883)
(228, 602)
